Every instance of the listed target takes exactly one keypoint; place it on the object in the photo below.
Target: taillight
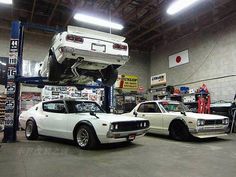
(119, 47)
(74, 38)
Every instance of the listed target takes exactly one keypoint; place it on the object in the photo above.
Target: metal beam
(32, 12)
(192, 16)
(100, 4)
(53, 11)
(122, 5)
(152, 16)
(134, 12)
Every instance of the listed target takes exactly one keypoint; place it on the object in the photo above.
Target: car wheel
(54, 68)
(31, 132)
(85, 137)
(109, 76)
(179, 131)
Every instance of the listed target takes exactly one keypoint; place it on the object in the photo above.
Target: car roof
(159, 101)
(67, 99)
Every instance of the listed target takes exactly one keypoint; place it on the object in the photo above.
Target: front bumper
(115, 137)
(209, 131)
(95, 57)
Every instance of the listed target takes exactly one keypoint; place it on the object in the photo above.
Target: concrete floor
(151, 156)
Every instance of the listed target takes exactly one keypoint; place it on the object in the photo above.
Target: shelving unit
(2, 109)
(189, 99)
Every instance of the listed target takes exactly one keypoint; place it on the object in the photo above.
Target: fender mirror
(135, 113)
(183, 112)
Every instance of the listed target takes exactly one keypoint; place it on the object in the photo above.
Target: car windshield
(83, 106)
(174, 106)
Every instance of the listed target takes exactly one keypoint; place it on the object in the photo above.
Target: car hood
(198, 115)
(117, 117)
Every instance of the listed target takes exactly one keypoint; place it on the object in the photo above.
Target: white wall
(212, 54)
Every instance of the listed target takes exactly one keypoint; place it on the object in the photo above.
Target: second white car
(173, 118)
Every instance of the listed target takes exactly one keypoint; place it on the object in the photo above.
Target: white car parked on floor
(172, 118)
(81, 55)
(82, 121)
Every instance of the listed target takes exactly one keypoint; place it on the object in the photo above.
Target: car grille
(130, 126)
(213, 122)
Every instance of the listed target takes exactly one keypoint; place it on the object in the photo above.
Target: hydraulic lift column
(14, 70)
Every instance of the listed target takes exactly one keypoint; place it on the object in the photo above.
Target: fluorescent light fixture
(6, 1)
(97, 21)
(2, 63)
(179, 5)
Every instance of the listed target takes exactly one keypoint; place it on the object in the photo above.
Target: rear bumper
(115, 137)
(64, 52)
(208, 132)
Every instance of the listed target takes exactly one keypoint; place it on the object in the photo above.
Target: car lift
(14, 78)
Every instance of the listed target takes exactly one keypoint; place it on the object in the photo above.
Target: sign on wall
(127, 82)
(178, 59)
(159, 79)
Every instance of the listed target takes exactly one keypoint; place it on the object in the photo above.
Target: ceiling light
(179, 5)
(6, 1)
(97, 21)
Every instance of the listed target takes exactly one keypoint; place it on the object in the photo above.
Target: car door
(152, 112)
(54, 119)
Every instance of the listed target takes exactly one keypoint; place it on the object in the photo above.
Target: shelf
(190, 102)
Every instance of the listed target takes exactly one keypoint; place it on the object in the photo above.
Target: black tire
(89, 142)
(109, 76)
(31, 131)
(179, 131)
(54, 68)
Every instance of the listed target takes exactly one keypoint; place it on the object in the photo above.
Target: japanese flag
(178, 59)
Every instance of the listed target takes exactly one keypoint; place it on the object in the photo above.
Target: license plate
(98, 48)
(131, 137)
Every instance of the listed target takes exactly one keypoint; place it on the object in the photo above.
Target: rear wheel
(85, 137)
(31, 132)
(179, 131)
(109, 76)
(54, 68)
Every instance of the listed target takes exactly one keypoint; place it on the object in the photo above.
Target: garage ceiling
(146, 22)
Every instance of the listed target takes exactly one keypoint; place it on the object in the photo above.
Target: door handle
(46, 115)
(143, 115)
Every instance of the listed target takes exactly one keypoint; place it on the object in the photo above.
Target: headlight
(225, 121)
(112, 126)
(116, 126)
(200, 122)
(141, 124)
(144, 124)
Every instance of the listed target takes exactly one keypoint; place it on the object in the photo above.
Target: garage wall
(138, 65)
(36, 46)
(212, 54)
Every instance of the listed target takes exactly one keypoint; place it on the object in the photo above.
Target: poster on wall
(129, 82)
(159, 79)
(29, 99)
(179, 58)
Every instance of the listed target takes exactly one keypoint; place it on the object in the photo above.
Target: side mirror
(92, 113)
(135, 113)
(182, 112)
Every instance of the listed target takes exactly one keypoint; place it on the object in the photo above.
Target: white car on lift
(81, 55)
(172, 118)
(82, 121)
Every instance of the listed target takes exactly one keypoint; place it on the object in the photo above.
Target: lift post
(14, 69)
(14, 78)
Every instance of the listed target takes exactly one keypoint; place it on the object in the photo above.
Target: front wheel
(179, 131)
(85, 137)
(31, 132)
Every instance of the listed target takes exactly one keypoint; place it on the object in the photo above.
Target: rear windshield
(82, 107)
